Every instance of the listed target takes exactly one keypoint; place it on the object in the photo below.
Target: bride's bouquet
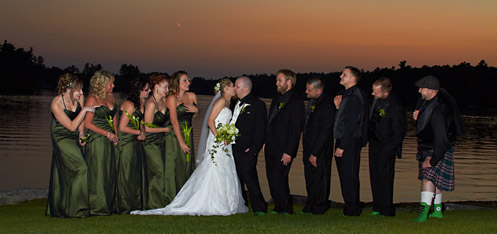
(226, 134)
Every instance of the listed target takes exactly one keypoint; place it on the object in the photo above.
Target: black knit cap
(429, 82)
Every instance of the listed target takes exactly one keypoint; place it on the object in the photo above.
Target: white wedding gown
(212, 189)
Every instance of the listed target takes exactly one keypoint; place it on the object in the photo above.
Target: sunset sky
(228, 38)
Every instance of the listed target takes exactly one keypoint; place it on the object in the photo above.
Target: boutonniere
(382, 113)
(281, 105)
(312, 108)
(244, 106)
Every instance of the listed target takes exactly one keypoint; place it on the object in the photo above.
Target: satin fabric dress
(68, 189)
(129, 170)
(178, 169)
(153, 165)
(101, 161)
(213, 188)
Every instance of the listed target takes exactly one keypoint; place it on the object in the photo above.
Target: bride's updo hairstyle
(222, 84)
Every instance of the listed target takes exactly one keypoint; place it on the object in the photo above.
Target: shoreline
(29, 194)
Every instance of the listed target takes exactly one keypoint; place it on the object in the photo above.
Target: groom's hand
(247, 150)
(286, 159)
(338, 152)
(313, 160)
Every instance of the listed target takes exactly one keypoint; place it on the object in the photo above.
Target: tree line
(22, 72)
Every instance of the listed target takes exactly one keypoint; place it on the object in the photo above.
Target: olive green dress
(178, 170)
(129, 170)
(153, 168)
(101, 160)
(68, 189)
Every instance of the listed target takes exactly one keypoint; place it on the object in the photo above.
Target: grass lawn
(28, 217)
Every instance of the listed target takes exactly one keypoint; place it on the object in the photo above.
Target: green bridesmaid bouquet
(110, 121)
(85, 139)
(187, 133)
(150, 125)
(133, 119)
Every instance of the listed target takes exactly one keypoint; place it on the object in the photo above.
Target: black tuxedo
(318, 141)
(350, 132)
(284, 128)
(251, 123)
(386, 133)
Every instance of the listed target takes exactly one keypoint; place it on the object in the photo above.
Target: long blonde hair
(174, 82)
(98, 82)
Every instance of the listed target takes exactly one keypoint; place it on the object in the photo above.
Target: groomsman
(318, 147)
(249, 117)
(350, 132)
(284, 127)
(387, 128)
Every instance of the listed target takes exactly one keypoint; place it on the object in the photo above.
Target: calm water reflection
(26, 151)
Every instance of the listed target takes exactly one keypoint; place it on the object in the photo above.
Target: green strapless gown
(178, 170)
(101, 160)
(129, 170)
(68, 189)
(153, 170)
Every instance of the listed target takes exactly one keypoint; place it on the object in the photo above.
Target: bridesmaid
(100, 150)
(155, 113)
(182, 106)
(68, 189)
(129, 159)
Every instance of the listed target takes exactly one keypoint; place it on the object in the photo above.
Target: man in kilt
(437, 125)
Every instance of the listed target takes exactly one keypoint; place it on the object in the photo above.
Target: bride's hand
(185, 148)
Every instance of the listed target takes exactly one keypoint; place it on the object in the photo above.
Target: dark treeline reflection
(21, 72)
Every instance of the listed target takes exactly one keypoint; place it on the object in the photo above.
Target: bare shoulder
(192, 96)
(128, 106)
(56, 103)
(91, 101)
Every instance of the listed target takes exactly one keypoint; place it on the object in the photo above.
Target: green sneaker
(300, 212)
(274, 212)
(374, 213)
(437, 213)
(423, 213)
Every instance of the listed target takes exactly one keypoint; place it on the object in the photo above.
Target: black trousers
(381, 174)
(277, 177)
(348, 171)
(317, 184)
(246, 168)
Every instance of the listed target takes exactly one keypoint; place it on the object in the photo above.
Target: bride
(213, 188)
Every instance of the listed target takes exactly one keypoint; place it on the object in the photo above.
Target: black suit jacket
(252, 125)
(285, 125)
(390, 128)
(318, 131)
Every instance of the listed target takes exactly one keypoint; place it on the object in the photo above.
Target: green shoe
(423, 213)
(437, 213)
(259, 213)
(300, 212)
(374, 213)
(274, 212)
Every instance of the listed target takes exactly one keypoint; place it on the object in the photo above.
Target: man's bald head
(243, 86)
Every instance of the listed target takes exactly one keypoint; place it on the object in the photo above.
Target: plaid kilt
(442, 174)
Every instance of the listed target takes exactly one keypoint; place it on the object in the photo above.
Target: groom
(249, 116)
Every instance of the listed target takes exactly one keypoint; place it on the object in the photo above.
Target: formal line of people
(131, 157)
(153, 158)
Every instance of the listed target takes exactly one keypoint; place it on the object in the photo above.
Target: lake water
(26, 153)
